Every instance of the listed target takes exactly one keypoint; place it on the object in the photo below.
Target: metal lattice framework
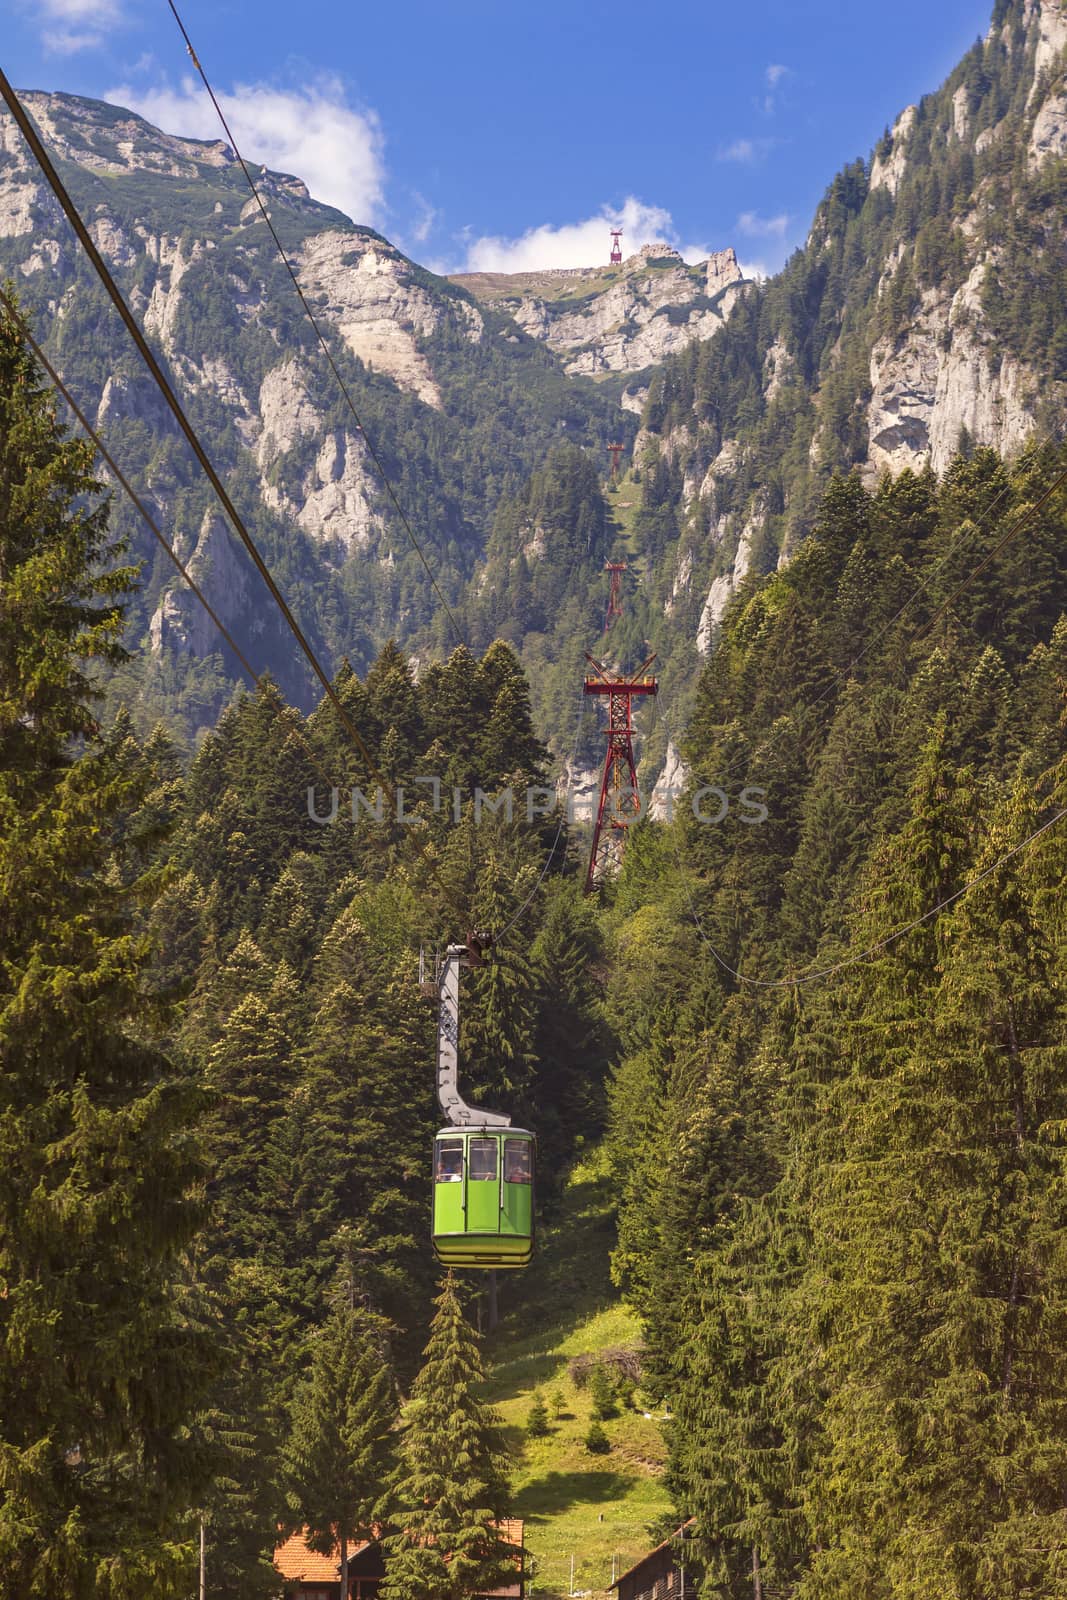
(616, 568)
(616, 246)
(620, 798)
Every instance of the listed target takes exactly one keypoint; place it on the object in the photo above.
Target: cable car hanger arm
(455, 1108)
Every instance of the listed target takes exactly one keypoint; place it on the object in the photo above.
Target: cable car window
(449, 1161)
(481, 1159)
(518, 1161)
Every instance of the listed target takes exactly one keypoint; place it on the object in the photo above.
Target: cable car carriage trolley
(483, 1168)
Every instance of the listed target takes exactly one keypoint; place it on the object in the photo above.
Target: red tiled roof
(298, 1564)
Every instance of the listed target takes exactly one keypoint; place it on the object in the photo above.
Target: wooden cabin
(306, 1575)
(664, 1574)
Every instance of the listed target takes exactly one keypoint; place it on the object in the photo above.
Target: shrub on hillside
(537, 1421)
(622, 1361)
(596, 1440)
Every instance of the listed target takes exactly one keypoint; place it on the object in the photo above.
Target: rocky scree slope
(457, 398)
(927, 311)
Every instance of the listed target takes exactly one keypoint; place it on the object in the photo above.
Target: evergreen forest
(822, 1042)
(796, 1066)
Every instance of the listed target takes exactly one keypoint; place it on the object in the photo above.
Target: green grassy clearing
(624, 502)
(574, 1503)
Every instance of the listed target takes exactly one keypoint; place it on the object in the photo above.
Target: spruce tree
(340, 1455)
(100, 1370)
(452, 1484)
(537, 1421)
(602, 1392)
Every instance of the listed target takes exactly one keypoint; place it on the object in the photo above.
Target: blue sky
(498, 134)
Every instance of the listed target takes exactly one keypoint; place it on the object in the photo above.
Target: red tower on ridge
(620, 798)
(616, 247)
(616, 568)
(615, 451)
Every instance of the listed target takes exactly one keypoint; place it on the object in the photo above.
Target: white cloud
(775, 75)
(580, 244)
(746, 151)
(423, 225)
(309, 131)
(757, 227)
(68, 41)
(754, 269)
(79, 24)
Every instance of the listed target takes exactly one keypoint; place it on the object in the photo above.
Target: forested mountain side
(460, 403)
(838, 1127)
(825, 1035)
(928, 308)
(217, 1070)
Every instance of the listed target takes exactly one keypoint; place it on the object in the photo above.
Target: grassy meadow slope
(574, 1503)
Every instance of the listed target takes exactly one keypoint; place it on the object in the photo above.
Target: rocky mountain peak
(618, 318)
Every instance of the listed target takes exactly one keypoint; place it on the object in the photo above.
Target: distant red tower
(616, 247)
(615, 451)
(620, 798)
(616, 568)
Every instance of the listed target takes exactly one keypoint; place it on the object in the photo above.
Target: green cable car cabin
(483, 1197)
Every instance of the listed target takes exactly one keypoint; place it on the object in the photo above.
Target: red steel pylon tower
(615, 451)
(620, 798)
(616, 247)
(616, 568)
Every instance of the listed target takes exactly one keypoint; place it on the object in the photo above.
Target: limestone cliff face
(179, 622)
(618, 319)
(933, 275)
(188, 246)
(366, 295)
(942, 382)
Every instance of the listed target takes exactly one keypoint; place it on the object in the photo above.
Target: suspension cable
(58, 188)
(26, 333)
(266, 216)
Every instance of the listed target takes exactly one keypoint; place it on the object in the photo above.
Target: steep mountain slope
(928, 310)
(457, 399)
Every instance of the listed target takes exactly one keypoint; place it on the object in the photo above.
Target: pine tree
(100, 1370)
(452, 1485)
(339, 1460)
(602, 1392)
(537, 1420)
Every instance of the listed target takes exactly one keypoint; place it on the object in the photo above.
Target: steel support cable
(73, 215)
(26, 333)
(29, 133)
(818, 973)
(265, 213)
